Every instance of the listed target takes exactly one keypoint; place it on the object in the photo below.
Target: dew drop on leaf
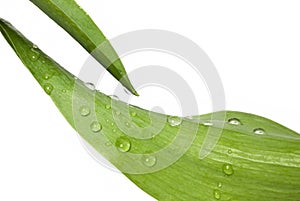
(234, 121)
(208, 123)
(174, 120)
(220, 185)
(35, 55)
(107, 107)
(48, 88)
(123, 144)
(259, 131)
(228, 169)
(217, 194)
(133, 114)
(149, 161)
(46, 77)
(114, 97)
(96, 127)
(90, 86)
(84, 111)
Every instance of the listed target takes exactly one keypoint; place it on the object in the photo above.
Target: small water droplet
(96, 127)
(217, 194)
(108, 143)
(112, 124)
(234, 121)
(149, 161)
(127, 124)
(228, 169)
(48, 88)
(114, 97)
(35, 55)
(259, 131)
(47, 76)
(220, 185)
(89, 85)
(64, 91)
(133, 114)
(208, 123)
(107, 107)
(84, 111)
(118, 112)
(126, 91)
(174, 120)
(114, 130)
(229, 151)
(123, 144)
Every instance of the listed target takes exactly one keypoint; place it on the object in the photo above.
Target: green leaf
(72, 18)
(254, 159)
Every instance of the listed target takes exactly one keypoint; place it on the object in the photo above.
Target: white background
(255, 46)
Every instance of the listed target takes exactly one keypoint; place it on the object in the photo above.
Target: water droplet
(47, 77)
(208, 123)
(217, 194)
(118, 112)
(259, 131)
(126, 91)
(64, 91)
(48, 88)
(35, 55)
(96, 127)
(89, 85)
(84, 111)
(114, 130)
(220, 185)
(228, 169)
(127, 124)
(174, 120)
(234, 121)
(149, 161)
(114, 97)
(108, 143)
(123, 144)
(229, 151)
(133, 114)
(107, 107)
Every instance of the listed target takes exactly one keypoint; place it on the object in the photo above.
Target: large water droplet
(228, 169)
(174, 120)
(96, 127)
(234, 121)
(259, 131)
(123, 144)
(217, 194)
(149, 161)
(84, 111)
(48, 88)
(89, 85)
